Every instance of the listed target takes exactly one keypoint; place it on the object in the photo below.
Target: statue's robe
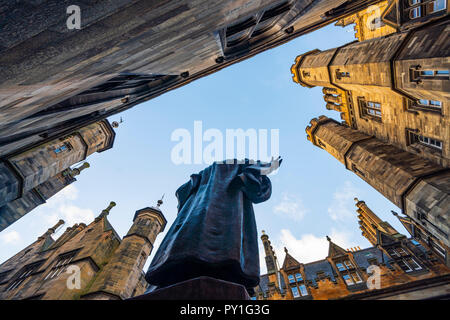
(215, 232)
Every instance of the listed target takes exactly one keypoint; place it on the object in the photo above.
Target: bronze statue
(215, 232)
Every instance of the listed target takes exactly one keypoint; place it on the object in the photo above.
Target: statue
(215, 232)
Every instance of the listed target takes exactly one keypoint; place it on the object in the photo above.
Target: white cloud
(309, 247)
(72, 214)
(61, 206)
(11, 237)
(291, 207)
(343, 205)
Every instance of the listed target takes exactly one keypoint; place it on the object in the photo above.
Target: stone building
(127, 52)
(391, 87)
(406, 269)
(88, 262)
(29, 178)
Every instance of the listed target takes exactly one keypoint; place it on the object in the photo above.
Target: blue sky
(312, 192)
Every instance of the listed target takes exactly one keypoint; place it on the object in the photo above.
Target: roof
(311, 270)
(264, 283)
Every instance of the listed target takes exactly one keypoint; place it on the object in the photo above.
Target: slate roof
(264, 283)
(362, 256)
(312, 268)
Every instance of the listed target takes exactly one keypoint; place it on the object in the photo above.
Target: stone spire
(52, 230)
(106, 211)
(76, 171)
(271, 259)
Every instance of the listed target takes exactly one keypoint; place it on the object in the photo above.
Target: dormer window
(61, 264)
(24, 274)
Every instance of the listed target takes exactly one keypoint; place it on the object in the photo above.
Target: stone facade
(127, 52)
(406, 269)
(33, 176)
(391, 87)
(109, 267)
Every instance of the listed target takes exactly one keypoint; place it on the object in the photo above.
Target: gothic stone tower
(16, 209)
(30, 178)
(119, 278)
(391, 88)
(109, 267)
(271, 285)
(416, 185)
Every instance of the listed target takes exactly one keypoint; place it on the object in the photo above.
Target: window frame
(62, 262)
(425, 105)
(416, 138)
(23, 274)
(370, 109)
(423, 7)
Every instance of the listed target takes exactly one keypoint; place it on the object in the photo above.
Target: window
(414, 242)
(348, 279)
(303, 290)
(356, 278)
(23, 274)
(438, 5)
(340, 74)
(61, 264)
(393, 253)
(419, 8)
(369, 109)
(340, 267)
(348, 264)
(65, 147)
(424, 104)
(405, 267)
(295, 292)
(413, 264)
(298, 277)
(417, 74)
(429, 142)
(291, 278)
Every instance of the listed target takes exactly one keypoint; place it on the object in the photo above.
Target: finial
(52, 230)
(328, 238)
(394, 213)
(263, 232)
(160, 201)
(285, 250)
(76, 171)
(105, 212)
(356, 199)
